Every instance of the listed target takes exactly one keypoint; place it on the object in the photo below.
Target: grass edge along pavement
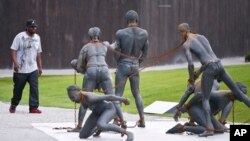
(164, 85)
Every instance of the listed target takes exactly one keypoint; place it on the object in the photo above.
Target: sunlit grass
(166, 85)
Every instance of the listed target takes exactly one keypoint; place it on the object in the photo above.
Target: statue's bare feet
(76, 129)
(206, 133)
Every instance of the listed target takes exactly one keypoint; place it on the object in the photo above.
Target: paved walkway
(22, 126)
(225, 62)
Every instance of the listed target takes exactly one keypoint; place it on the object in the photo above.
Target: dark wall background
(63, 25)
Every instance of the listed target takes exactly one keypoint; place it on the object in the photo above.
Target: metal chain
(75, 102)
(233, 113)
(167, 55)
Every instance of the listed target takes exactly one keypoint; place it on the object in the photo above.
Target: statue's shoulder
(121, 31)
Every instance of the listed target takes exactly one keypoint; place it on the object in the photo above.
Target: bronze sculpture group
(132, 44)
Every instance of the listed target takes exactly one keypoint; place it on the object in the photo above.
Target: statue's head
(183, 30)
(74, 93)
(183, 27)
(94, 33)
(131, 16)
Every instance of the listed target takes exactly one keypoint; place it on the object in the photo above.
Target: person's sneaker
(35, 111)
(12, 109)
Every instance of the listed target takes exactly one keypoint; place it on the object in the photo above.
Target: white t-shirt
(27, 48)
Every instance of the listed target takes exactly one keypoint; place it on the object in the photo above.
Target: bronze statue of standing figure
(211, 69)
(133, 43)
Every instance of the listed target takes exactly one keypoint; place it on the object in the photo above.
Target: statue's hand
(191, 87)
(126, 101)
(73, 63)
(177, 115)
(196, 74)
(140, 60)
(106, 43)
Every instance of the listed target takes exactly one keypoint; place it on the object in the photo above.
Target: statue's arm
(117, 47)
(81, 62)
(225, 112)
(94, 98)
(144, 49)
(188, 55)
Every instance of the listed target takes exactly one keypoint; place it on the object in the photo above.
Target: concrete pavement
(22, 126)
(18, 126)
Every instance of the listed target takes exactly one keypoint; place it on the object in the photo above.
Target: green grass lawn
(167, 85)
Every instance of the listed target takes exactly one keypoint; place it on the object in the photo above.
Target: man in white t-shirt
(26, 56)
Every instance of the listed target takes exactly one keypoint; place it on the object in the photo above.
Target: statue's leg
(120, 82)
(81, 115)
(195, 129)
(88, 85)
(108, 89)
(207, 83)
(104, 125)
(178, 128)
(106, 83)
(89, 127)
(218, 127)
(197, 114)
(135, 89)
(90, 79)
(238, 94)
(105, 118)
